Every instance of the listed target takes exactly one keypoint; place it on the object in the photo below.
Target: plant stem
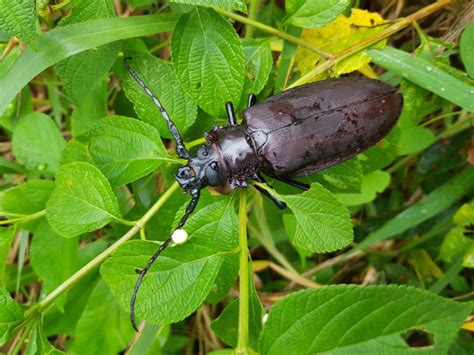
(66, 285)
(24, 218)
(253, 9)
(332, 60)
(271, 30)
(244, 284)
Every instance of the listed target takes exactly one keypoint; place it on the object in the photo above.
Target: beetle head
(202, 170)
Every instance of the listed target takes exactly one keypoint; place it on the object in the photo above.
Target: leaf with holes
(161, 80)
(322, 223)
(208, 59)
(82, 201)
(182, 277)
(349, 319)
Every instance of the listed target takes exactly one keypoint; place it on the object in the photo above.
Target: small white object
(179, 236)
(265, 318)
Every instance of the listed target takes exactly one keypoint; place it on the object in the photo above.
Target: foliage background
(376, 257)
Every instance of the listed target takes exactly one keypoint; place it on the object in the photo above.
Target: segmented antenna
(180, 148)
(192, 205)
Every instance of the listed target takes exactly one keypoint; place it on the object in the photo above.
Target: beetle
(292, 134)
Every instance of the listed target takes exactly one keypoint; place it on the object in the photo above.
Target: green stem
(66, 285)
(253, 9)
(25, 218)
(244, 291)
(271, 30)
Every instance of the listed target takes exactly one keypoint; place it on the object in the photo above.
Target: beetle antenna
(191, 206)
(180, 148)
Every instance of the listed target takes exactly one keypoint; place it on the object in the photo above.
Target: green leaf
(82, 71)
(18, 17)
(226, 325)
(53, 258)
(383, 153)
(92, 335)
(345, 176)
(437, 201)
(11, 314)
(39, 344)
(372, 183)
(182, 277)
(25, 199)
(64, 42)
(225, 4)
(314, 13)
(426, 75)
(75, 151)
(82, 201)
(466, 48)
(258, 65)
(161, 80)
(38, 143)
(208, 59)
(125, 149)
(356, 320)
(322, 223)
(415, 139)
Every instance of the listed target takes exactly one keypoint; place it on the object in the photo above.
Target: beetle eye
(214, 166)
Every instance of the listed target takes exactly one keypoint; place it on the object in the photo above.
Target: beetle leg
(279, 203)
(232, 121)
(294, 183)
(252, 100)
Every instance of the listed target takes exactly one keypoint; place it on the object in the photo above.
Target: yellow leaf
(341, 34)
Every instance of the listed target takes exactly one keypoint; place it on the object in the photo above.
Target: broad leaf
(466, 48)
(53, 258)
(161, 80)
(314, 13)
(82, 201)
(181, 278)
(383, 153)
(208, 59)
(322, 223)
(124, 149)
(18, 17)
(372, 184)
(37, 143)
(64, 42)
(25, 199)
(92, 335)
(356, 320)
(11, 313)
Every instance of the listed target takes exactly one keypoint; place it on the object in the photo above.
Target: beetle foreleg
(279, 203)
(232, 121)
(252, 100)
(294, 183)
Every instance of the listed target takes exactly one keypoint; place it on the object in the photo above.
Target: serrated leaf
(25, 199)
(225, 4)
(322, 223)
(225, 279)
(182, 277)
(18, 17)
(38, 143)
(356, 319)
(426, 75)
(338, 35)
(82, 201)
(11, 313)
(75, 151)
(345, 176)
(372, 184)
(258, 64)
(91, 336)
(161, 80)
(208, 59)
(466, 49)
(124, 149)
(64, 42)
(53, 258)
(314, 13)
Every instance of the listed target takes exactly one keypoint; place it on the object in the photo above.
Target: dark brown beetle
(295, 133)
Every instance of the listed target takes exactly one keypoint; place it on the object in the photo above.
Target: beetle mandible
(295, 133)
